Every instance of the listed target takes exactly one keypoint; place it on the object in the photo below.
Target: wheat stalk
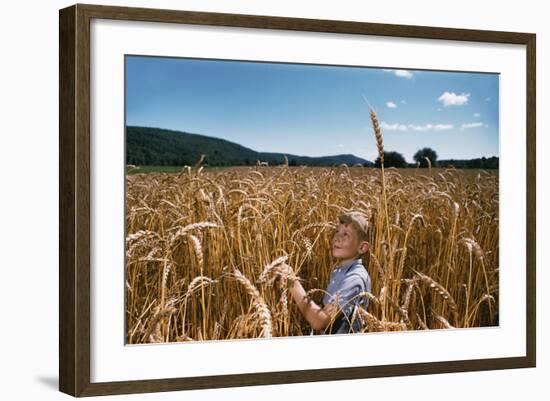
(442, 291)
(259, 303)
(380, 147)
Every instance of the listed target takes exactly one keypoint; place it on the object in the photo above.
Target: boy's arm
(318, 317)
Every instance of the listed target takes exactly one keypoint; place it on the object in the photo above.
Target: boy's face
(346, 243)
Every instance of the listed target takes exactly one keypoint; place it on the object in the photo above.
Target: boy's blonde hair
(358, 220)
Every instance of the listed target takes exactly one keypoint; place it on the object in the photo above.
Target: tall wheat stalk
(380, 147)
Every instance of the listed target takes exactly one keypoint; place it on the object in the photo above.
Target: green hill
(162, 147)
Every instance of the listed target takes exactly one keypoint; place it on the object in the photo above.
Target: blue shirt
(346, 282)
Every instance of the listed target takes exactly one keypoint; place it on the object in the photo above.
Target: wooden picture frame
(75, 201)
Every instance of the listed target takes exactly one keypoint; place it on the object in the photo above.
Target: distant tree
(492, 162)
(392, 159)
(422, 154)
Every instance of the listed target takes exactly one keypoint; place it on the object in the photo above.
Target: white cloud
(412, 127)
(471, 125)
(391, 105)
(452, 99)
(403, 102)
(401, 73)
(426, 127)
(430, 127)
(477, 115)
(393, 127)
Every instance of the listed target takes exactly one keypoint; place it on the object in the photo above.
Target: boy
(346, 282)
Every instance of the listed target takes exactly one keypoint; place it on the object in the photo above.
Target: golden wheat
(231, 233)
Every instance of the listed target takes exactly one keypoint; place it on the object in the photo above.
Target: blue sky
(315, 110)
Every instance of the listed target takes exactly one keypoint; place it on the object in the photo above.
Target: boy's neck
(348, 261)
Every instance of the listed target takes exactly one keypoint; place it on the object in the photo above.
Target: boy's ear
(364, 247)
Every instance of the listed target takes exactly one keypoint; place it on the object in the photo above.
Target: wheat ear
(259, 303)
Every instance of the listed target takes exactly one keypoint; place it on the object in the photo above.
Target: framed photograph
(250, 200)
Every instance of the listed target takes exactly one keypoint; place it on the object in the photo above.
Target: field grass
(199, 240)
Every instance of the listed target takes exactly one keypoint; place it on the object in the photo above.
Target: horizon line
(297, 155)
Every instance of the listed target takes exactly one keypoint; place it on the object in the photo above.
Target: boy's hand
(284, 270)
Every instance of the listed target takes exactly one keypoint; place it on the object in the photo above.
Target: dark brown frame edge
(74, 199)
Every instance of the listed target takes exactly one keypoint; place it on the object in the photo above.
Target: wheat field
(201, 245)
